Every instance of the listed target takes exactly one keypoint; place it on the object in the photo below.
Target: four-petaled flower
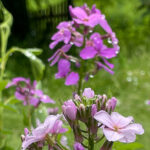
(118, 128)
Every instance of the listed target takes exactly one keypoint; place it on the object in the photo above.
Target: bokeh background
(34, 23)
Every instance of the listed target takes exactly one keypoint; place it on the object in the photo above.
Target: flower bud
(93, 110)
(70, 110)
(111, 104)
(88, 93)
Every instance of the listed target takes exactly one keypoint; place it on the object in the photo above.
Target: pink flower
(118, 128)
(70, 109)
(28, 92)
(81, 16)
(88, 93)
(52, 125)
(78, 146)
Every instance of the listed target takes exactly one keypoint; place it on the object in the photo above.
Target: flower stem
(81, 74)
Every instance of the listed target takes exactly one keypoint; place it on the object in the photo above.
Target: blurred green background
(35, 22)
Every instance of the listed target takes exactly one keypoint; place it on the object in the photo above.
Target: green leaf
(38, 66)
(3, 84)
(129, 146)
(9, 107)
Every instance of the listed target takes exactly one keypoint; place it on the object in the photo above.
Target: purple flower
(52, 125)
(111, 103)
(78, 146)
(66, 34)
(72, 79)
(88, 93)
(63, 68)
(28, 93)
(60, 52)
(81, 16)
(118, 128)
(70, 109)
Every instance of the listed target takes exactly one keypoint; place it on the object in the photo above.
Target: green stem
(81, 74)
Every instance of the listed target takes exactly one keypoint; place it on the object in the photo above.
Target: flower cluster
(45, 133)
(80, 33)
(97, 111)
(28, 93)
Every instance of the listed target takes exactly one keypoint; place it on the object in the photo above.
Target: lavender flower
(28, 93)
(118, 128)
(52, 125)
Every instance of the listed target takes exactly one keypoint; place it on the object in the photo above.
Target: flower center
(116, 128)
(85, 19)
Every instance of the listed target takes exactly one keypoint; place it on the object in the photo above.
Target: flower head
(118, 128)
(28, 93)
(52, 125)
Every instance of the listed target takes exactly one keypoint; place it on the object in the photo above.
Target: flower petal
(120, 120)
(104, 118)
(88, 53)
(112, 135)
(72, 79)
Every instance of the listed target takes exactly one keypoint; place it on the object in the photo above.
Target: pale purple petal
(128, 138)
(28, 141)
(63, 68)
(112, 135)
(53, 44)
(78, 12)
(100, 65)
(104, 118)
(108, 63)
(66, 48)
(34, 101)
(46, 99)
(88, 53)
(72, 79)
(104, 24)
(20, 96)
(54, 55)
(120, 120)
(134, 128)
